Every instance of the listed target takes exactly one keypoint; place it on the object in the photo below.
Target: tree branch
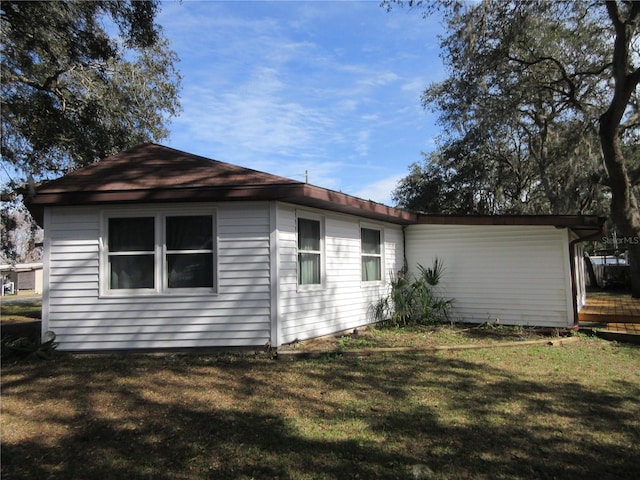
(631, 122)
(634, 78)
(565, 77)
(49, 85)
(634, 177)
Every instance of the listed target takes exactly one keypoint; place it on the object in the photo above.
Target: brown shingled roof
(152, 173)
(153, 167)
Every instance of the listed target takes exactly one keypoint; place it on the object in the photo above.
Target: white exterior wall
(343, 301)
(239, 314)
(516, 275)
(38, 281)
(580, 275)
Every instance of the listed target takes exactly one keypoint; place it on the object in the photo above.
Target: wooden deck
(612, 313)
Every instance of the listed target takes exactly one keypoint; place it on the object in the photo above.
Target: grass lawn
(535, 412)
(22, 311)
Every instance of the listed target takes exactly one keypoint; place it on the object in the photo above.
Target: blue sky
(332, 88)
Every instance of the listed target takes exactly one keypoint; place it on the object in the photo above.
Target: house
(158, 248)
(21, 276)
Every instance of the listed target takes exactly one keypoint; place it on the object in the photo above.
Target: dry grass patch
(427, 336)
(535, 412)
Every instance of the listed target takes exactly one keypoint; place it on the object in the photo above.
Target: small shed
(154, 248)
(21, 276)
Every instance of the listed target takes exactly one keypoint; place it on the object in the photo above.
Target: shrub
(414, 301)
(28, 347)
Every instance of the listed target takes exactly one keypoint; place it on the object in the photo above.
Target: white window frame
(380, 229)
(105, 267)
(166, 252)
(320, 219)
(160, 270)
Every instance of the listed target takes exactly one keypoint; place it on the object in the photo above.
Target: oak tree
(80, 81)
(547, 93)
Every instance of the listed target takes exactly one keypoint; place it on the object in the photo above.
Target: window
(371, 251)
(309, 252)
(131, 253)
(160, 253)
(189, 251)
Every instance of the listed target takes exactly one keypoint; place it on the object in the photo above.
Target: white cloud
(363, 142)
(257, 115)
(286, 88)
(379, 191)
(378, 79)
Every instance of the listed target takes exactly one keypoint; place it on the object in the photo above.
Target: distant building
(21, 276)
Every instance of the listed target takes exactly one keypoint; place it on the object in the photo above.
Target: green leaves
(527, 83)
(414, 301)
(77, 88)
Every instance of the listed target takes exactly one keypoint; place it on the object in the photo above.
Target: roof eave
(296, 193)
(317, 197)
(582, 223)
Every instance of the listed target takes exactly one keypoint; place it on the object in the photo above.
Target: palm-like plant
(414, 301)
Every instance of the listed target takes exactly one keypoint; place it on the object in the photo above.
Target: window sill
(310, 288)
(164, 294)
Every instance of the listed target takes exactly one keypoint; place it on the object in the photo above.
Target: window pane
(190, 233)
(371, 269)
(308, 268)
(131, 234)
(308, 234)
(131, 271)
(190, 270)
(370, 241)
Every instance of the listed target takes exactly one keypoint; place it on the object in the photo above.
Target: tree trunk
(624, 206)
(593, 280)
(634, 257)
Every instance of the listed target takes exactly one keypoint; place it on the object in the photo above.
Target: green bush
(414, 301)
(28, 347)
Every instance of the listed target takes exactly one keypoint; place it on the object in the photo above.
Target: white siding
(580, 275)
(343, 301)
(516, 275)
(238, 314)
